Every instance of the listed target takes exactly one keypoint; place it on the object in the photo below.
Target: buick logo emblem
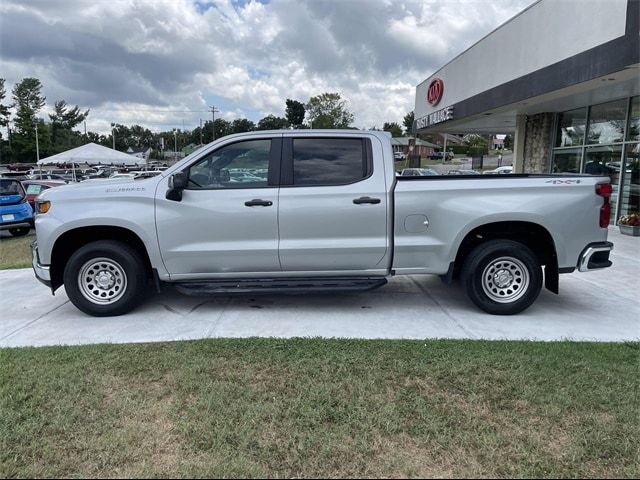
(436, 89)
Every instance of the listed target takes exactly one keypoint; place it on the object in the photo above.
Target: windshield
(11, 187)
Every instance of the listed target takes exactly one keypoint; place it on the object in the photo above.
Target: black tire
(121, 268)
(19, 232)
(502, 277)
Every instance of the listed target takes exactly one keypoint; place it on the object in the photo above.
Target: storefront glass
(597, 148)
(571, 127)
(606, 122)
(630, 185)
(633, 132)
(567, 161)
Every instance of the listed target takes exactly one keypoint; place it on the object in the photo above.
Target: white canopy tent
(93, 154)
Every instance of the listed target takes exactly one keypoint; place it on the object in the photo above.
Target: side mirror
(177, 183)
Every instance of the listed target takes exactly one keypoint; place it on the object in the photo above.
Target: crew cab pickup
(315, 210)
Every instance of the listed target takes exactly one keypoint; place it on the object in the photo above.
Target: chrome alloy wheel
(102, 281)
(505, 279)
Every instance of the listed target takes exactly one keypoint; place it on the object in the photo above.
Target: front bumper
(595, 256)
(42, 272)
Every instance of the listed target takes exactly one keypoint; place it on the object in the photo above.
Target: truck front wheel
(502, 277)
(105, 278)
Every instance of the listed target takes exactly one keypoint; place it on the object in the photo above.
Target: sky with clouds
(160, 63)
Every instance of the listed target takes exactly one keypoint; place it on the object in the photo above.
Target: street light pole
(37, 145)
(175, 145)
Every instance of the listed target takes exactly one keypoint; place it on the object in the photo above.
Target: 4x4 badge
(562, 182)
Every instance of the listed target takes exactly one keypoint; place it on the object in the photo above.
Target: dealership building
(564, 78)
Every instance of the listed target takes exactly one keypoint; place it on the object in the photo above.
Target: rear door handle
(256, 202)
(361, 200)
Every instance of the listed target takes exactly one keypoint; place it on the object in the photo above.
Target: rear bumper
(42, 272)
(12, 225)
(595, 256)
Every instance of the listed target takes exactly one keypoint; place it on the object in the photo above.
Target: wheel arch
(531, 234)
(71, 240)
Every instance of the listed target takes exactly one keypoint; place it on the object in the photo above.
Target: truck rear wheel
(502, 277)
(105, 278)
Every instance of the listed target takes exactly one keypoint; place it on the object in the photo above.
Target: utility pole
(85, 129)
(113, 135)
(213, 119)
(200, 131)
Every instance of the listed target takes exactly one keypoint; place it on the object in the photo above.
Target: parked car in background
(398, 156)
(34, 188)
(441, 156)
(148, 174)
(122, 175)
(15, 175)
(418, 172)
(48, 177)
(499, 170)
(16, 214)
(462, 172)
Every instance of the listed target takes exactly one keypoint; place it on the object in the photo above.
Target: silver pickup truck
(315, 210)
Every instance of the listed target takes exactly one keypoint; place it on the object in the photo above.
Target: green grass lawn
(15, 252)
(321, 408)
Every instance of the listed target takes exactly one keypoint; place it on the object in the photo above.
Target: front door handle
(256, 202)
(361, 200)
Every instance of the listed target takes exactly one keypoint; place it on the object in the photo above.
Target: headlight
(42, 206)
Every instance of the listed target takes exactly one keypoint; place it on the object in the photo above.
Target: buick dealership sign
(435, 91)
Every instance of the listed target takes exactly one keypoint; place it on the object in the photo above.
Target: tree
(28, 101)
(67, 118)
(271, 122)
(221, 127)
(394, 128)
(240, 125)
(478, 145)
(295, 113)
(508, 141)
(4, 109)
(329, 111)
(408, 122)
(63, 121)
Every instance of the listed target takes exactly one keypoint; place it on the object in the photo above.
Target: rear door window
(330, 161)
(34, 189)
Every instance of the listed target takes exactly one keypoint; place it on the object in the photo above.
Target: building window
(571, 127)
(630, 184)
(606, 122)
(607, 146)
(567, 160)
(633, 132)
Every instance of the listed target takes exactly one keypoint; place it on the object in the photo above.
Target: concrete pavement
(599, 306)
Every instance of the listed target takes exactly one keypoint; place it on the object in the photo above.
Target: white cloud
(148, 61)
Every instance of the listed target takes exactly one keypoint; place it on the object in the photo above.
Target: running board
(280, 285)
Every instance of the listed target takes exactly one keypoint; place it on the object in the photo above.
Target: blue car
(16, 214)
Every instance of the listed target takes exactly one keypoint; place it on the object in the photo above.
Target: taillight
(604, 190)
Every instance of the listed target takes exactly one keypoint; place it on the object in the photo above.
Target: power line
(145, 110)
